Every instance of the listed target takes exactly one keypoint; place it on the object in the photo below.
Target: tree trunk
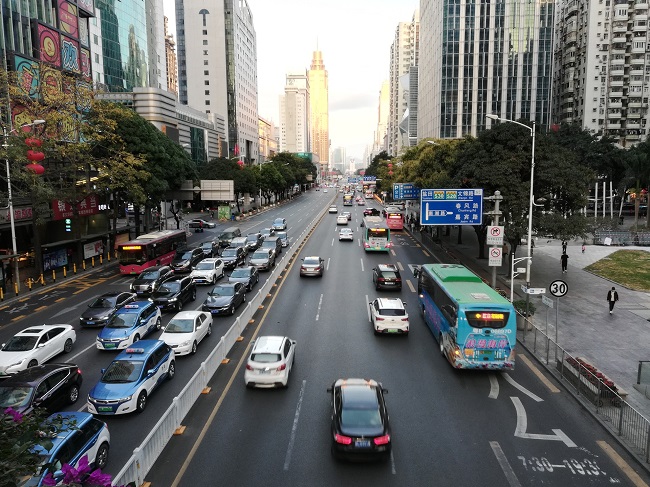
(481, 233)
(460, 235)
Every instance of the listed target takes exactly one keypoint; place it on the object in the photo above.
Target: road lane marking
(320, 303)
(83, 351)
(368, 308)
(494, 386)
(40, 308)
(425, 253)
(392, 463)
(408, 283)
(513, 383)
(512, 479)
(538, 373)
(393, 252)
(622, 464)
(292, 438)
(332, 242)
(400, 266)
(522, 425)
(362, 269)
(328, 263)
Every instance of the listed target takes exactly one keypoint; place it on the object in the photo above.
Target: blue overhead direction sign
(370, 178)
(405, 191)
(451, 206)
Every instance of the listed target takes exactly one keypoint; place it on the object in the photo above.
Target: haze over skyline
(354, 37)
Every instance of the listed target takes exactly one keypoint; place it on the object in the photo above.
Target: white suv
(388, 315)
(270, 362)
(207, 271)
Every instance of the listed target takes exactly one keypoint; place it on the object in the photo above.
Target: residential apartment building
(217, 63)
(295, 114)
(268, 141)
(493, 58)
(601, 67)
(319, 107)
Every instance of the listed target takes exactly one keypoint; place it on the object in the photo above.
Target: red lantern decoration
(35, 156)
(390, 173)
(240, 164)
(390, 164)
(32, 142)
(37, 169)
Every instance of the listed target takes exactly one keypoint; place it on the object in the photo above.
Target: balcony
(613, 126)
(617, 70)
(632, 125)
(641, 16)
(615, 104)
(614, 116)
(634, 104)
(641, 5)
(637, 61)
(616, 83)
(632, 137)
(615, 93)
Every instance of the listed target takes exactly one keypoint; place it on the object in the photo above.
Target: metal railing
(593, 390)
(145, 456)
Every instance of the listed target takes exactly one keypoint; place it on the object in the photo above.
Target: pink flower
(49, 480)
(18, 417)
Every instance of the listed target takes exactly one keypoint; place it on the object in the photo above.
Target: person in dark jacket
(564, 259)
(612, 297)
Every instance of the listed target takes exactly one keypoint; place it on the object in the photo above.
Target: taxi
(131, 323)
(127, 383)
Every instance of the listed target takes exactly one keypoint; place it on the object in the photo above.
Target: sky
(354, 37)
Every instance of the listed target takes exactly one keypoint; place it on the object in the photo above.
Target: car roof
(140, 349)
(187, 314)
(387, 267)
(40, 329)
(358, 393)
(134, 307)
(312, 257)
(390, 303)
(268, 344)
(211, 259)
(72, 421)
(34, 374)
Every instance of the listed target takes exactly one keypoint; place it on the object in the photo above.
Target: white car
(207, 271)
(388, 315)
(333, 209)
(270, 362)
(186, 330)
(341, 220)
(35, 345)
(346, 234)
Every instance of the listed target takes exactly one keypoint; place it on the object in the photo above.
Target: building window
(205, 52)
(206, 72)
(205, 62)
(206, 82)
(207, 102)
(207, 92)
(205, 42)
(95, 39)
(205, 32)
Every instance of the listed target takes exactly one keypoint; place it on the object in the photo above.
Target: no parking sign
(494, 256)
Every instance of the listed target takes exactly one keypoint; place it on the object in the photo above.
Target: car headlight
(15, 364)
(125, 399)
(185, 343)
(171, 300)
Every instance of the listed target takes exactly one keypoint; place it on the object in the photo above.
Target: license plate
(362, 443)
(389, 283)
(160, 306)
(392, 330)
(90, 322)
(105, 409)
(109, 345)
(214, 311)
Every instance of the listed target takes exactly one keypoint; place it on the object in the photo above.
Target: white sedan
(346, 234)
(35, 345)
(186, 330)
(207, 271)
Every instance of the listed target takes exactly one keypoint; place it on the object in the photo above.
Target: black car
(210, 248)
(233, 257)
(52, 386)
(254, 241)
(386, 276)
(185, 259)
(225, 298)
(149, 280)
(248, 275)
(174, 293)
(102, 308)
(371, 212)
(360, 422)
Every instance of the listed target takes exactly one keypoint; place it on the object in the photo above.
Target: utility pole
(495, 214)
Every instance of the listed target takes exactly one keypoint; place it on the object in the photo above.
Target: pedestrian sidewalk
(613, 343)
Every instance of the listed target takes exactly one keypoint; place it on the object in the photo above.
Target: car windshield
(237, 242)
(169, 287)
(241, 273)
(265, 357)
(204, 266)
(229, 253)
(281, 235)
(311, 261)
(103, 303)
(266, 231)
(392, 312)
(388, 274)
(360, 418)
(251, 238)
(20, 344)
(180, 326)
(149, 275)
(15, 397)
(183, 255)
(123, 320)
(260, 255)
(278, 221)
(222, 291)
(206, 245)
(123, 371)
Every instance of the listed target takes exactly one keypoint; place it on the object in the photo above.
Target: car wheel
(244, 299)
(142, 401)
(101, 458)
(171, 372)
(214, 279)
(232, 310)
(194, 294)
(32, 363)
(73, 394)
(193, 348)
(209, 332)
(158, 324)
(136, 338)
(179, 306)
(67, 348)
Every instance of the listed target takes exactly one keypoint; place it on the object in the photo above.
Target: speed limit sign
(558, 288)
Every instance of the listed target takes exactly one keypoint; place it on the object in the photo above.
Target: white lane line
(368, 308)
(332, 242)
(320, 302)
(513, 383)
(392, 463)
(512, 479)
(393, 252)
(359, 242)
(494, 386)
(408, 283)
(362, 269)
(400, 266)
(328, 263)
(94, 345)
(294, 428)
(522, 425)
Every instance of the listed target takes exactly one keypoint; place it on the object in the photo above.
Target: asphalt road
(449, 427)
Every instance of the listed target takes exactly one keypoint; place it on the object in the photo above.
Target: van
(274, 243)
(227, 235)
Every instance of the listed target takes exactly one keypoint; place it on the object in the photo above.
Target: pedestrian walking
(612, 297)
(583, 248)
(564, 246)
(564, 259)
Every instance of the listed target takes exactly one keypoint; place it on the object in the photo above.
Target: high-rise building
(319, 106)
(294, 114)
(338, 158)
(217, 67)
(383, 108)
(496, 59)
(403, 57)
(170, 57)
(268, 142)
(600, 68)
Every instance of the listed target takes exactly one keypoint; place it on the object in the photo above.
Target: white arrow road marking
(494, 387)
(320, 303)
(63, 311)
(292, 439)
(512, 479)
(513, 383)
(522, 424)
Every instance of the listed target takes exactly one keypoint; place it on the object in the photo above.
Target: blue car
(128, 381)
(130, 323)
(77, 435)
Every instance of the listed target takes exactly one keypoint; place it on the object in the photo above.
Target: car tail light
(281, 368)
(399, 279)
(382, 440)
(381, 279)
(303, 268)
(248, 367)
(379, 319)
(79, 371)
(343, 440)
(405, 319)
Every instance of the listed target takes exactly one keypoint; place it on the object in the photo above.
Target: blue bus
(475, 326)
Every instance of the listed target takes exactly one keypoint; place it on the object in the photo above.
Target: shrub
(520, 307)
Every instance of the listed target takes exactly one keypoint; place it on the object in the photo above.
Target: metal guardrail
(619, 416)
(145, 456)
(622, 238)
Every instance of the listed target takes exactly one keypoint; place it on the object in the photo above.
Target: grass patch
(629, 268)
